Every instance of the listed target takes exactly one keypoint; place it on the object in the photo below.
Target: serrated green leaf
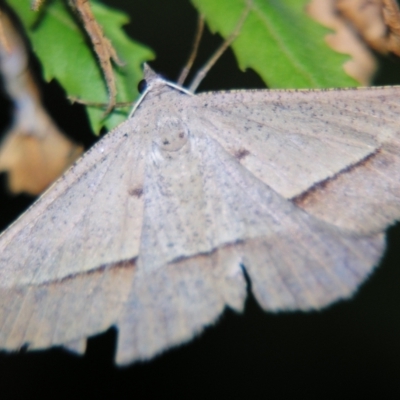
(62, 46)
(279, 41)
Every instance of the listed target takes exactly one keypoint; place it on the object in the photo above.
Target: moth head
(150, 80)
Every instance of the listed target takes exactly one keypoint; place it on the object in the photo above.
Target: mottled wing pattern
(150, 231)
(66, 264)
(330, 151)
(211, 217)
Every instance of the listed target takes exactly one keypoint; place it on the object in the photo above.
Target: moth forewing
(149, 232)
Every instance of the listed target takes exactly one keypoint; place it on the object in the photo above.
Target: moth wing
(67, 263)
(196, 216)
(202, 223)
(334, 152)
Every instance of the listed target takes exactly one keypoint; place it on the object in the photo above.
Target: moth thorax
(172, 134)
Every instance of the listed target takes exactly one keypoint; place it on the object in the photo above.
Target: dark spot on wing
(137, 192)
(241, 154)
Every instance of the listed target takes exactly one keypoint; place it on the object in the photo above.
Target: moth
(152, 230)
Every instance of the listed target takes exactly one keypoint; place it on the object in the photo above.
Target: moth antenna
(193, 54)
(218, 53)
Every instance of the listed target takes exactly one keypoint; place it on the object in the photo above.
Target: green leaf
(66, 55)
(279, 41)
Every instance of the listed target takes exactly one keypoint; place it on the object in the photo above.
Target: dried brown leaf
(33, 163)
(377, 22)
(344, 39)
(34, 151)
(391, 15)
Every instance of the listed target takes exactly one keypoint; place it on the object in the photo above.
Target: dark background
(350, 349)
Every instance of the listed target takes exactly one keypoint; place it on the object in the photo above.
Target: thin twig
(73, 99)
(203, 71)
(3, 38)
(195, 47)
(102, 46)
